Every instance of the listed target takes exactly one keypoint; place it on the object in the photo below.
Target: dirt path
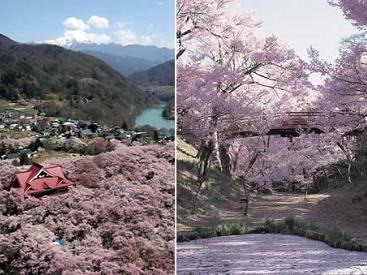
(266, 254)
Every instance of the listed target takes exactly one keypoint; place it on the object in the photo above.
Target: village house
(69, 126)
(39, 180)
(13, 126)
(86, 134)
(165, 134)
(12, 156)
(121, 134)
(83, 124)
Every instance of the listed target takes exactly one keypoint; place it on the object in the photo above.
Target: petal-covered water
(266, 254)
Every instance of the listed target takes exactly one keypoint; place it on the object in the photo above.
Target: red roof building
(39, 180)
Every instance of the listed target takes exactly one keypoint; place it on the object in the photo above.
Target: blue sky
(121, 21)
(302, 23)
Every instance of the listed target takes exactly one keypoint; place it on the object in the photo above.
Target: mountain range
(151, 53)
(125, 65)
(126, 59)
(68, 83)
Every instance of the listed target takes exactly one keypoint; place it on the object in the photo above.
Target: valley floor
(266, 254)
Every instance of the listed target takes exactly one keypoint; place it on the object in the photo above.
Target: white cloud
(78, 31)
(170, 45)
(98, 22)
(159, 42)
(126, 37)
(74, 23)
(73, 36)
(146, 40)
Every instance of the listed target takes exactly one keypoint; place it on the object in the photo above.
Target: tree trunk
(305, 177)
(225, 159)
(349, 171)
(235, 161)
(350, 160)
(361, 152)
(205, 153)
(217, 149)
(290, 187)
(246, 199)
(206, 150)
(213, 136)
(306, 191)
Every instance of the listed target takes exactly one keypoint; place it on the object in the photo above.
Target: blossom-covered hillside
(119, 219)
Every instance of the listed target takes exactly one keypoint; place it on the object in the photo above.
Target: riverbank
(169, 110)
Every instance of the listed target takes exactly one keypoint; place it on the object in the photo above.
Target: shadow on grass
(219, 195)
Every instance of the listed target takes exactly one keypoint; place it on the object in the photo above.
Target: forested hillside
(162, 74)
(125, 65)
(67, 83)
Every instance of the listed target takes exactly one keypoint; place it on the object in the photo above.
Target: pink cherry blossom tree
(354, 10)
(227, 72)
(344, 91)
(118, 219)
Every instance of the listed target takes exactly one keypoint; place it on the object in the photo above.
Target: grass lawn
(27, 109)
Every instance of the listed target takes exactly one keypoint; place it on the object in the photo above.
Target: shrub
(214, 231)
(230, 229)
(289, 222)
(335, 237)
(273, 227)
(34, 145)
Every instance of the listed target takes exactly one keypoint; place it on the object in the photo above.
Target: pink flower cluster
(119, 219)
